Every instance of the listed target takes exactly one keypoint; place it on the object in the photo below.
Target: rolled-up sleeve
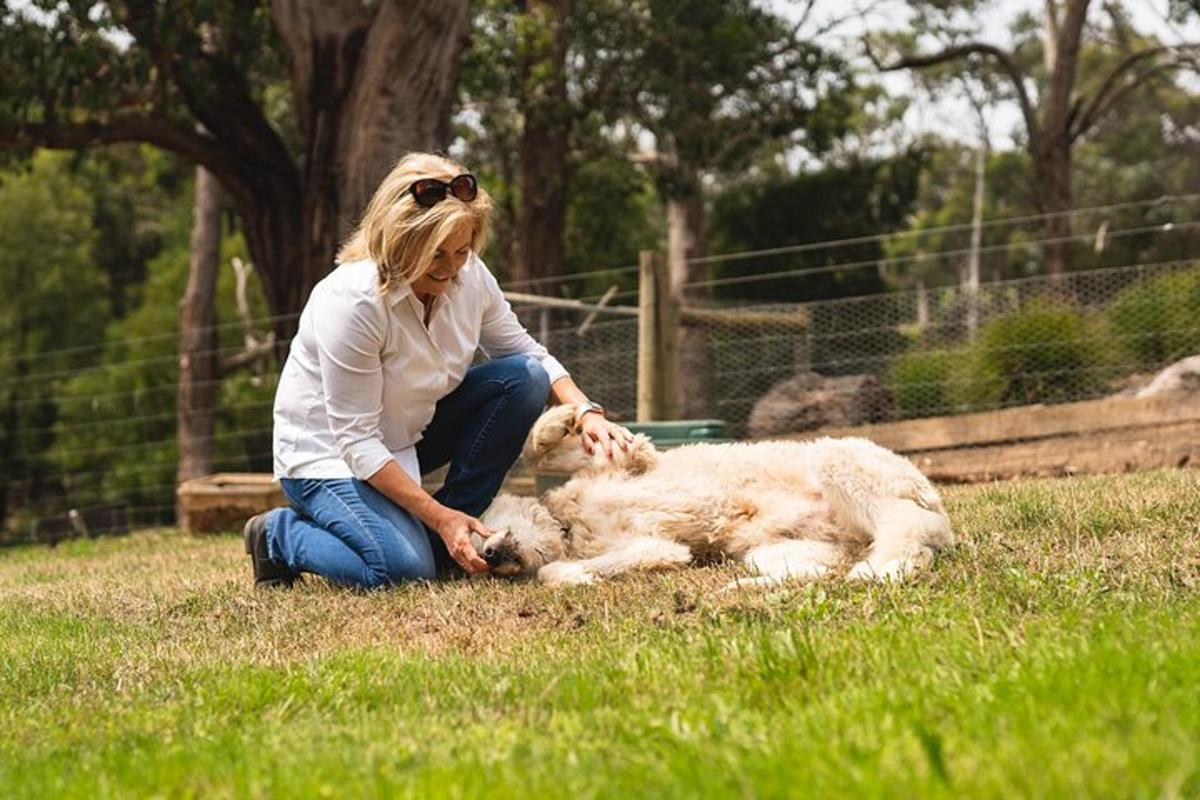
(349, 339)
(502, 334)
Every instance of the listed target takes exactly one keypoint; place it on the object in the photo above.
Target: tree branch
(216, 93)
(192, 145)
(1007, 63)
(1112, 90)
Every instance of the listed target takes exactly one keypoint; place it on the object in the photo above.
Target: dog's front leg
(643, 553)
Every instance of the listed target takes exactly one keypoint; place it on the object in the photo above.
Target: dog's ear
(555, 542)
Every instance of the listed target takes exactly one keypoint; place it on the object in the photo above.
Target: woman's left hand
(597, 433)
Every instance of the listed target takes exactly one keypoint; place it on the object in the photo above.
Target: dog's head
(525, 536)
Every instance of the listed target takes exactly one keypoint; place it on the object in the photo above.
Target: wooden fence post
(658, 341)
(669, 331)
(648, 351)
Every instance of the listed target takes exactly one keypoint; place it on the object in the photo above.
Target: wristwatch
(584, 408)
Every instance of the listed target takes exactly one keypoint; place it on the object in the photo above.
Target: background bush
(1158, 322)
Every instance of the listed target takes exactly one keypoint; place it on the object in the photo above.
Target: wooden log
(1142, 447)
(226, 500)
(1026, 423)
(796, 319)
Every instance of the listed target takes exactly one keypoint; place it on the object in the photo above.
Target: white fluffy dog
(787, 510)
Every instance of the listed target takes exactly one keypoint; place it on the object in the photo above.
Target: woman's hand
(455, 528)
(597, 433)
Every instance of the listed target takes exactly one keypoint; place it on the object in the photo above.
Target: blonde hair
(400, 235)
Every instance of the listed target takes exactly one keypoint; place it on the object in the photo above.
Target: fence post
(669, 332)
(648, 388)
(658, 341)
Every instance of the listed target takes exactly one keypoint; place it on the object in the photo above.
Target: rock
(808, 401)
(1183, 375)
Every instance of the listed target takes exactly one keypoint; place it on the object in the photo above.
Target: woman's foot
(268, 573)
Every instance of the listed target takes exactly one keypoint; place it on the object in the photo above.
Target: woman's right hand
(455, 528)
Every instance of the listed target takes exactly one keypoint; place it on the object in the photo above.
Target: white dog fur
(787, 510)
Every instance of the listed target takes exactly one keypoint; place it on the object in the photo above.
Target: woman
(379, 388)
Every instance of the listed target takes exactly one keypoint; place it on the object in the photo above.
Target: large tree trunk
(1051, 148)
(1054, 177)
(197, 389)
(685, 241)
(543, 147)
(371, 81)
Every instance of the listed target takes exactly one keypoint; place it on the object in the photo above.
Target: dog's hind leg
(643, 553)
(793, 559)
(904, 542)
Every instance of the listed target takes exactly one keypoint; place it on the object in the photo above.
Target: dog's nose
(492, 556)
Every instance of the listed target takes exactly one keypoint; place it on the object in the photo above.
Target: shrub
(1046, 354)
(922, 383)
(1158, 321)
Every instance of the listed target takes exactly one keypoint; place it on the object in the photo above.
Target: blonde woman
(379, 388)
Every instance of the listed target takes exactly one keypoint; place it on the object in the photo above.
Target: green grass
(1055, 652)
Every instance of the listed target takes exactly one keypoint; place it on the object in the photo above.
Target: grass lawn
(1054, 653)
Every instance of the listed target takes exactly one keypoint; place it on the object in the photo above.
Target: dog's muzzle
(493, 556)
(498, 550)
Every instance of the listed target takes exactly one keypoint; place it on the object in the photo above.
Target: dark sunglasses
(428, 192)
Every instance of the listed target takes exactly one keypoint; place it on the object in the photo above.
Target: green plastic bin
(665, 435)
(686, 431)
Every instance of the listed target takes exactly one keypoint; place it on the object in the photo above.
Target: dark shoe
(268, 573)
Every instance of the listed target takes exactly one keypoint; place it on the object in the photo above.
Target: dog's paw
(565, 573)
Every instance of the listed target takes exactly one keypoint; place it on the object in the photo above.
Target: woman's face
(450, 257)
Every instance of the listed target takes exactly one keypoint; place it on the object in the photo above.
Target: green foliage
(861, 199)
(1158, 322)
(116, 435)
(923, 383)
(53, 309)
(1045, 354)
(610, 218)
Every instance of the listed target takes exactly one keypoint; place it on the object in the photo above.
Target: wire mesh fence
(96, 433)
(914, 353)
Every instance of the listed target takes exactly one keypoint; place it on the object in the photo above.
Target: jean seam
(365, 528)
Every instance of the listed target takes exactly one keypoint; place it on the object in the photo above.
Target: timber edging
(1116, 434)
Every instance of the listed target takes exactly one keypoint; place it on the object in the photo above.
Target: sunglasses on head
(429, 192)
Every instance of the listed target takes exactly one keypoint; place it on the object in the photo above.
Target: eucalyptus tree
(1061, 103)
(303, 104)
(714, 82)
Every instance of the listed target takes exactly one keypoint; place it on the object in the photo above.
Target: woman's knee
(527, 380)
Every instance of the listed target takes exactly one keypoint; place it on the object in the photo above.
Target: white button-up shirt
(364, 373)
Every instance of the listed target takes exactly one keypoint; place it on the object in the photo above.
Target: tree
(713, 82)
(540, 85)
(46, 270)
(1058, 115)
(368, 81)
(198, 353)
(544, 156)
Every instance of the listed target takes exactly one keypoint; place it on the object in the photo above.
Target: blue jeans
(348, 532)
